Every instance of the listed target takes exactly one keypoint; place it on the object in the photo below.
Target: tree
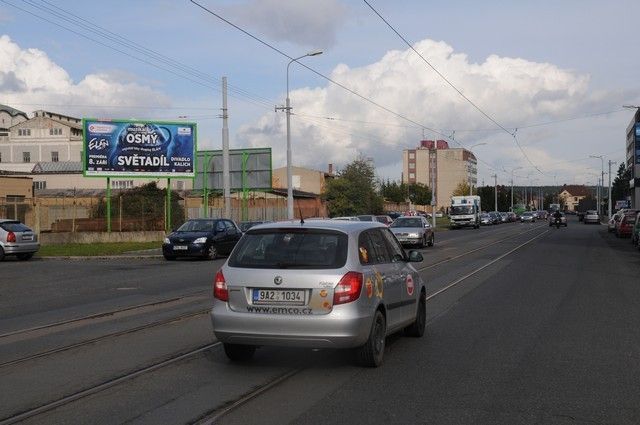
(620, 186)
(393, 191)
(353, 191)
(462, 189)
(487, 198)
(419, 194)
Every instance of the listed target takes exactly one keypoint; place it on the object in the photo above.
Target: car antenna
(301, 217)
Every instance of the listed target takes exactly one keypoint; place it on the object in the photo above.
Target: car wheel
(24, 257)
(169, 257)
(238, 352)
(1, 254)
(212, 252)
(424, 241)
(416, 329)
(432, 240)
(372, 352)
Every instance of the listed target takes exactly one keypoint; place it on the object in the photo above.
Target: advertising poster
(139, 148)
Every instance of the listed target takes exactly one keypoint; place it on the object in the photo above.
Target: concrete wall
(309, 180)
(100, 237)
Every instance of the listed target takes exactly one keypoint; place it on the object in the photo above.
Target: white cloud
(29, 77)
(514, 91)
(311, 23)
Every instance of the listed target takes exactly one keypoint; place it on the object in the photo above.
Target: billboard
(249, 169)
(115, 148)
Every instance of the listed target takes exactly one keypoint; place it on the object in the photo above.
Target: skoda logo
(277, 280)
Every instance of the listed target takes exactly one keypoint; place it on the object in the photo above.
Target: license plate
(180, 247)
(278, 296)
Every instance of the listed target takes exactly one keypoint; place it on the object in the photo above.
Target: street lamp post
(600, 191)
(512, 170)
(287, 108)
(609, 210)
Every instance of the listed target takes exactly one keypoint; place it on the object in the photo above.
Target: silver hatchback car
(319, 284)
(17, 239)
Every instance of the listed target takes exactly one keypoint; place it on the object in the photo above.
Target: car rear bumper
(344, 327)
(21, 248)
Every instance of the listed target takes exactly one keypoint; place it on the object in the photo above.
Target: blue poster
(139, 149)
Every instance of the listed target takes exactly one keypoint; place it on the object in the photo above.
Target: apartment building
(448, 167)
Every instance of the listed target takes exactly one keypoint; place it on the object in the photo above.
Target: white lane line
(477, 249)
(495, 260)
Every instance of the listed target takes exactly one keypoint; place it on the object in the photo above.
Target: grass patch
(93, 249)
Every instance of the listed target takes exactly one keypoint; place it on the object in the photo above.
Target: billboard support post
(205, 194)
(245, 208)
(108, 205)
(167, 224)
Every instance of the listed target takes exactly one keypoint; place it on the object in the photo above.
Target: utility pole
(495, 190)
(226, 179)
(432, 172)
(610, 164)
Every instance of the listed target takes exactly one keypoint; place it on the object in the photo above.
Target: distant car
(413, 231)
(394, 214)
(367, 217)
(384, 219)
(495, 217)
(347, 218)
(527, 217)
(626, 225)
(246, 225)
(552, 220)
(542, 215)
(611, 224)
(512, 216)
(485, 219)
(202, 237)
(504, 217)
(591, 216)
(320, 284)
(17, 239)
(635, 231)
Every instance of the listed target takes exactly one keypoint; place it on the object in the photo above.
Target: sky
(534, 89)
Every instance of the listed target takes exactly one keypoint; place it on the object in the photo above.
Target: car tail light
(220, 287)
(348, 289)
(11, 237)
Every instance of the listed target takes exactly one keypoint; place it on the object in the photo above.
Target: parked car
(591, 216)
(627, 223)
(367, 217)
(611, 224)
(17, 239)
(542, 215)
(512, 216)
(485, 219)
(384, 219)
(504, 217)
(495, 217)
(347, 218)
(394, 214)
(202, 237)
(527, 217)
(413, 231)
(321, 284)
(563, 220)
(246, 225)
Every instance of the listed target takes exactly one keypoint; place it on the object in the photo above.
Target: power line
(490, 118)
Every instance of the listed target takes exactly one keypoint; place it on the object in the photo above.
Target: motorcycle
(557, 222)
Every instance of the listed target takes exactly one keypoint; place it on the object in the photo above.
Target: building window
(55, 132)
(412, 155)
(412, 175)
(15, 199)
(26, 156)
(54, 156)
(40, 185)
(24, 132)
(122, 184)
(412, 165)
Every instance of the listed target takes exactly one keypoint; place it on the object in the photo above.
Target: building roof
(12, 111)
(63, 167)
(576, 190)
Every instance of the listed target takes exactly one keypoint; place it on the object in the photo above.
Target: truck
(584, 205)
(464, 212)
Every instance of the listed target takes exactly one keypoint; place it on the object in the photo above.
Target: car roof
(339, 225)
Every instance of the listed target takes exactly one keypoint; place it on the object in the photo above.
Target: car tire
(1, 254)
(416, 329)
(371, 353)
(25, 257)
(212, 252)
(432, 241)
(169, 257)
(239, 352)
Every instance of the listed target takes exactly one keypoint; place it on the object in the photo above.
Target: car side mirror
(415, 257)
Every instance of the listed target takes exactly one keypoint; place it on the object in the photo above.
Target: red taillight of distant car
(11, 237)
(220, 287)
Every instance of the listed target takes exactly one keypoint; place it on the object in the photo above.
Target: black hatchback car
(202, 237)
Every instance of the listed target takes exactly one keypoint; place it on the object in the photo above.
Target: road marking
(479, 269)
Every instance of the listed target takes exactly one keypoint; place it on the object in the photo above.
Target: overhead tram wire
(201, 78)
(319, 74)
(512, 134)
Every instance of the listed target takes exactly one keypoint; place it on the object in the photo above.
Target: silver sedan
(413, 231)
(319, 284)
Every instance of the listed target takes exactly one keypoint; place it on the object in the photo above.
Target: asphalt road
(527, 324)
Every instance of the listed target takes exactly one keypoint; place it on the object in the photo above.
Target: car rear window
(14, 226)
(291, 248)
